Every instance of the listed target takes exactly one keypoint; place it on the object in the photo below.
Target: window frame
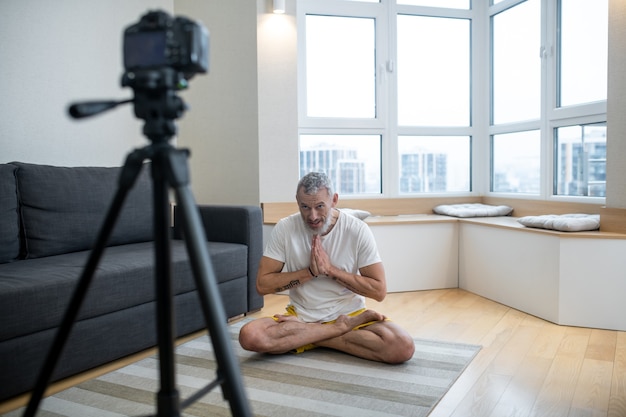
(481, 130)
(551, 116)
(341, 9)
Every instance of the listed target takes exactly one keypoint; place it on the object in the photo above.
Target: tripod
(157, 103)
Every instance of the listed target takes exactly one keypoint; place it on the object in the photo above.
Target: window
(434, 164)
(423, 97)
(539, 82)
(352, 161)
(516, 80)
(581, 160)
(341, 67)
(433, 71)
(516, 167)
(458, 4)
(583, 56)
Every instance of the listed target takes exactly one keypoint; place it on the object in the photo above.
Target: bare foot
(349, 323)
(281, 318)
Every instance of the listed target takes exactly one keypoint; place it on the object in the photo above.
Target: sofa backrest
(62, 209)
(9, 218)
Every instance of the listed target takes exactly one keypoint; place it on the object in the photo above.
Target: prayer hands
(320, 262)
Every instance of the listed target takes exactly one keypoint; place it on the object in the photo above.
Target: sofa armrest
(234, 224)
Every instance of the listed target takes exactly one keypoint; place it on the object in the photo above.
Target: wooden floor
(526, 367)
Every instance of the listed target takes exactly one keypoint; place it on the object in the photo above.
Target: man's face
(316, 209)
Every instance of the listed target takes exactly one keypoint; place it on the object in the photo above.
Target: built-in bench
(569, 278)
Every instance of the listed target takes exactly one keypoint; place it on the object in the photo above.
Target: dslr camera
(159, 41)
(161, 53)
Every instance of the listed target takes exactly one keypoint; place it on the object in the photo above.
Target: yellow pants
(291, 311)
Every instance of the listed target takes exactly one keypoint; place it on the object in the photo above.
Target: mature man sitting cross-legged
(329, 262)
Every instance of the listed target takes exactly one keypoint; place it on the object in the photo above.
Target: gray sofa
(49, 219)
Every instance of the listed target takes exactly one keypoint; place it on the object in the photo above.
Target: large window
(423, 97)
(549, 90)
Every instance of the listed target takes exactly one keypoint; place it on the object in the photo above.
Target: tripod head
(156, 100)
(161, 54)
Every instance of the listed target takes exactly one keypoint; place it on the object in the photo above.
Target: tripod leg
(212, 306)
(168, 398)
(129, 174)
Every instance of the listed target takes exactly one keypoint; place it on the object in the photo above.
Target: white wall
(56, 52)
(242, 126)
(221, 127)
(278, 103)
(616, 107)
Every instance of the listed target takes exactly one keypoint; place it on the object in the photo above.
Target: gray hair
(315, 181)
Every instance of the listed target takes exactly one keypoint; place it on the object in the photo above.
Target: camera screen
(144, 49)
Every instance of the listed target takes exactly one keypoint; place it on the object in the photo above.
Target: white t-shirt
(350, 246)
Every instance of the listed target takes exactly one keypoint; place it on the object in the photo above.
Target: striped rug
(319, 382)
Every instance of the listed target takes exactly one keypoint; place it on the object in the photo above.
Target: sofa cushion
(63, 208)
(34, 294)
(9, 219)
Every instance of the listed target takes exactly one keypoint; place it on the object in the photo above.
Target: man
(329, 262)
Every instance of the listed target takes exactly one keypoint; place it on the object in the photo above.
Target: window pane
(431, 164)
(433, 71)
(516, 162)
(455, 4)
(341, 67)
(516, 63)
(581, 160)
(351, 161)
(584, 46)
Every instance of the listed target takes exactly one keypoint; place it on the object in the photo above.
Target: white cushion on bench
(576, 222)
(359, 214)
(472, 210)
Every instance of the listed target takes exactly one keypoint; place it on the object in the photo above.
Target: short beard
(325, 228)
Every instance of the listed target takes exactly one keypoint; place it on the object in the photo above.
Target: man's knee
(404, 351)
(248, 338)
(400, 350)
(253, 337)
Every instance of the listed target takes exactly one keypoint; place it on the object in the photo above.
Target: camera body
(159, 41)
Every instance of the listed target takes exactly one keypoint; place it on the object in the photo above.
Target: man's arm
(271, 280)
(371, 283)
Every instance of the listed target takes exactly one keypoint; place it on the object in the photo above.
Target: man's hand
(320, 262)
(370, 282)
